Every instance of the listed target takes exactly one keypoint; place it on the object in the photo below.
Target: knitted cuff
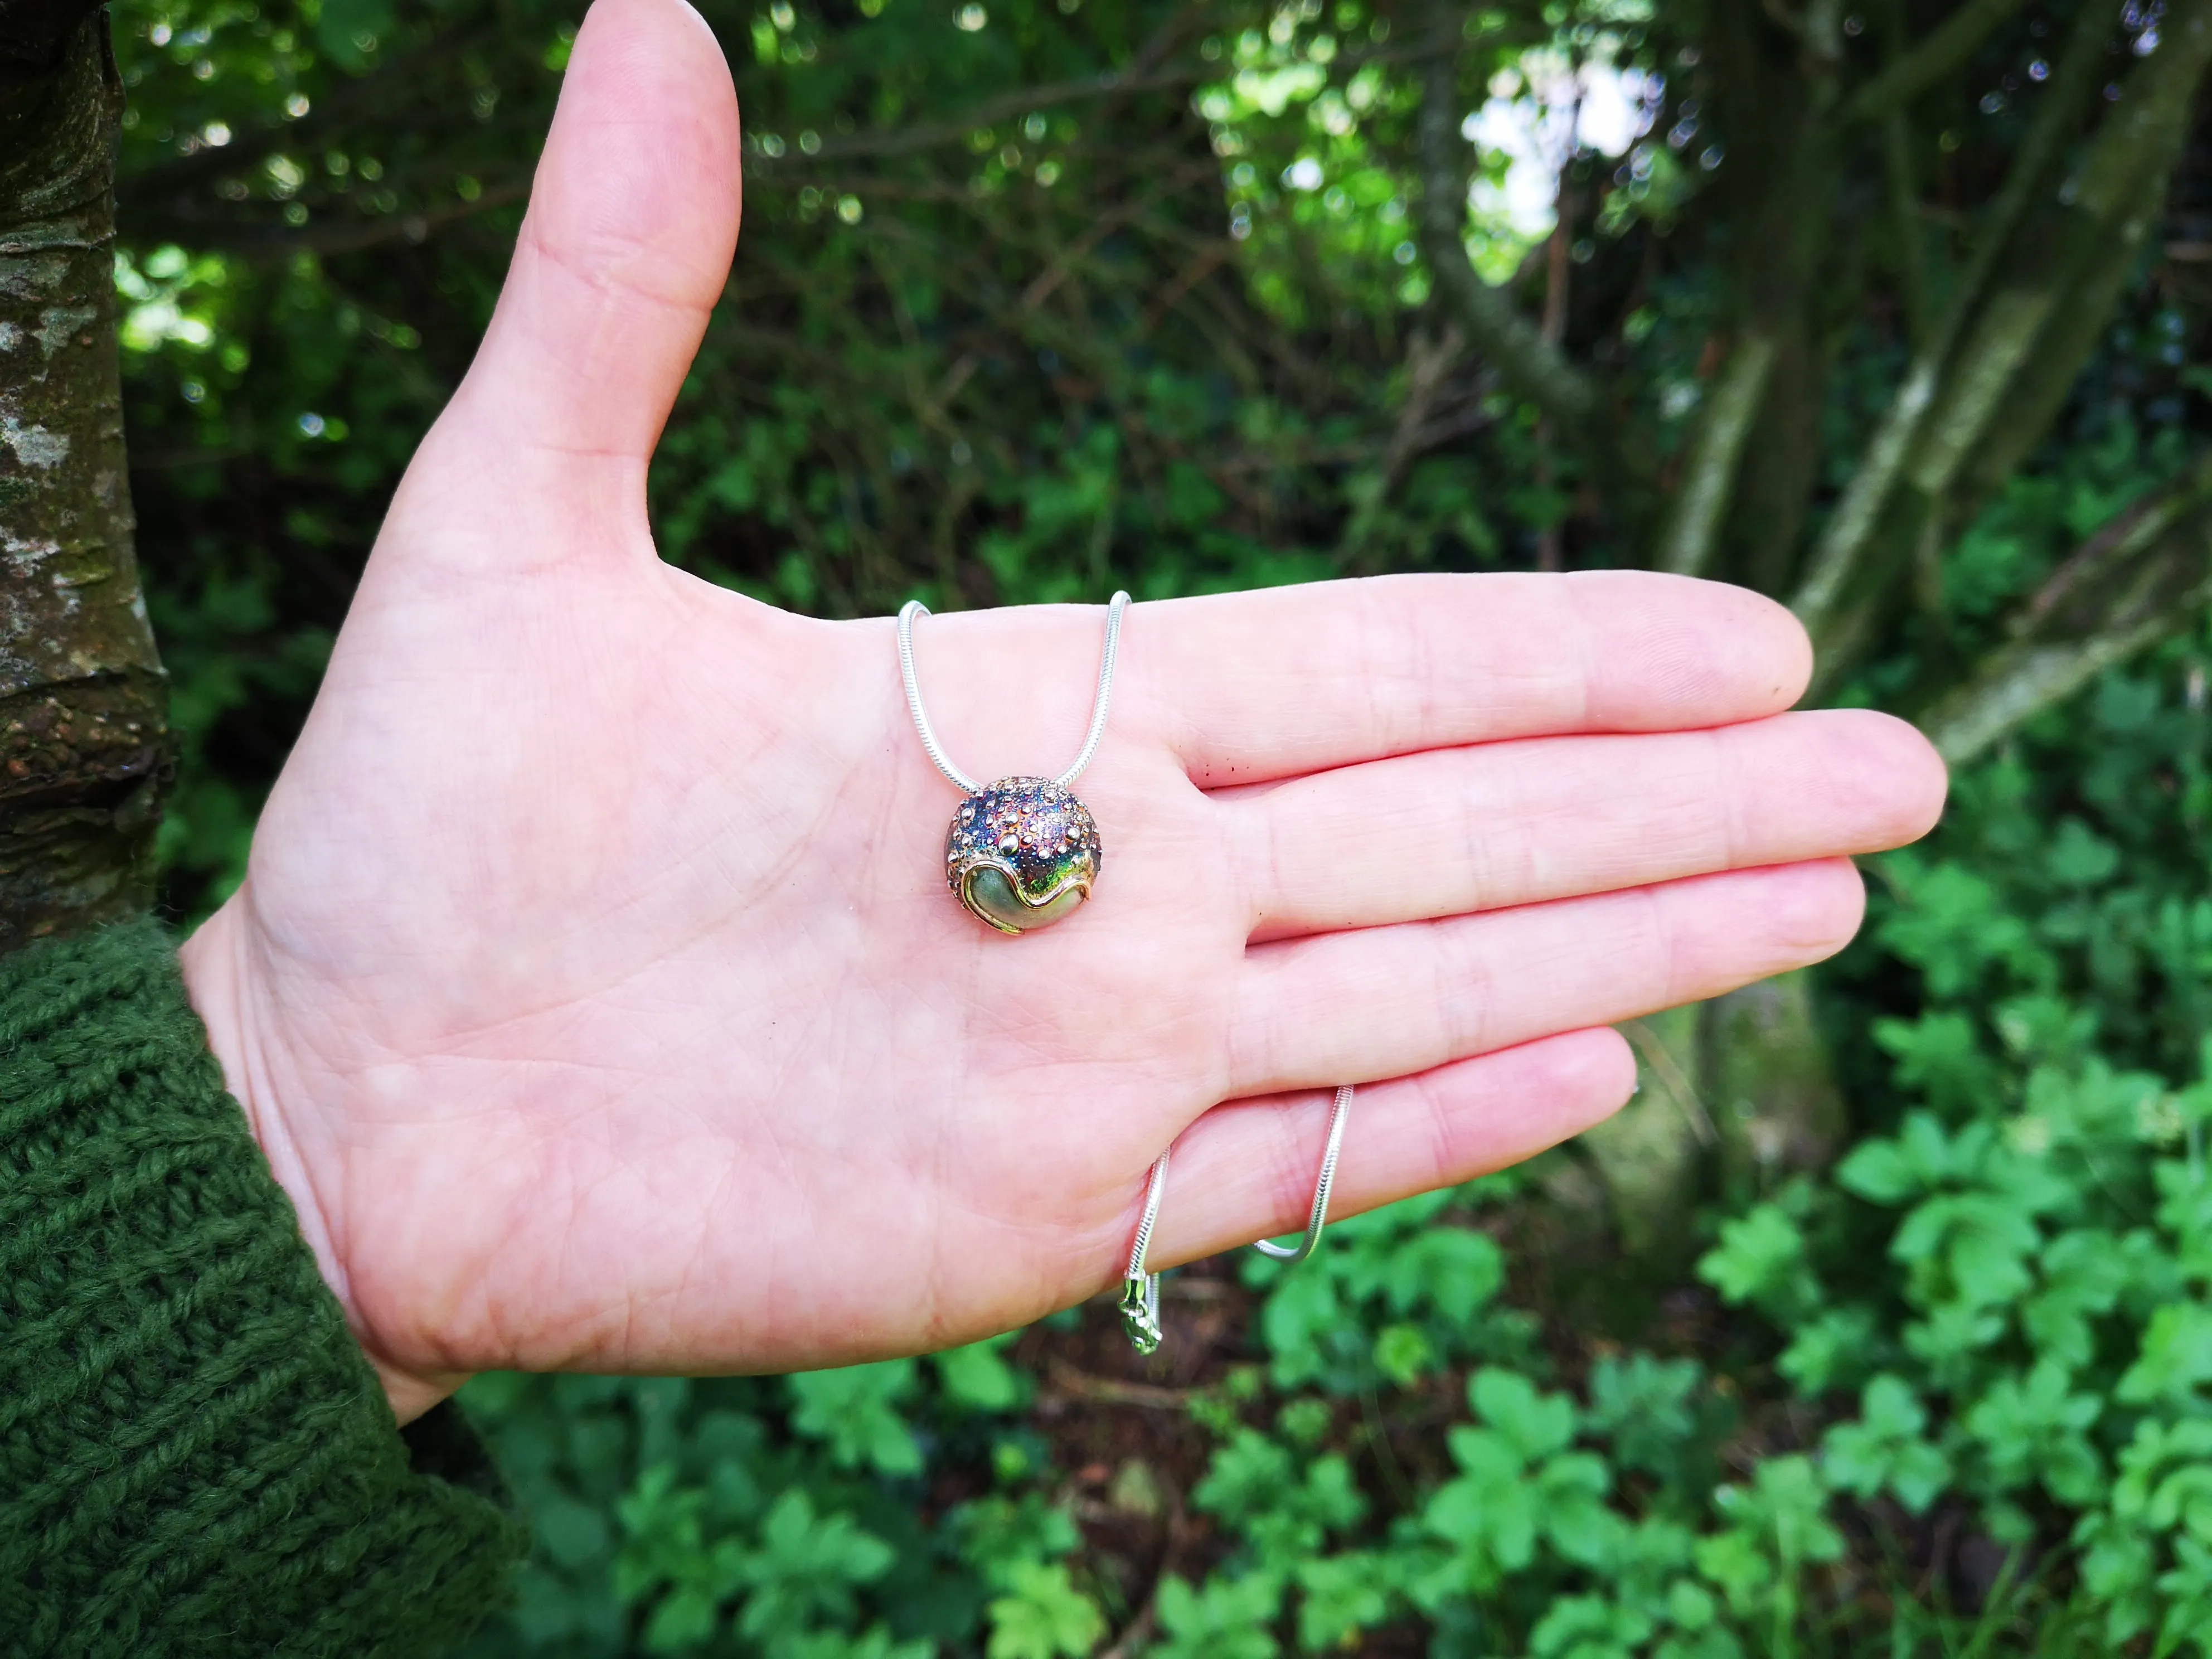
(195, 1457)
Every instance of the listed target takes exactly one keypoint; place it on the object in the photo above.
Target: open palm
(595, 990)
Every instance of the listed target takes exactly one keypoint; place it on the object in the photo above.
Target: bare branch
(1149, 72)
(2038, 326)
(1105, 225)
(264, 242)
(1944, 51)
(1529, 364)
(1688, 543)
(1783, 19)
(2140, 580)
(1824, 41)
(411, 90)
(1428, 362)
(1974, 377)
(1905, 217)
(2039, 390)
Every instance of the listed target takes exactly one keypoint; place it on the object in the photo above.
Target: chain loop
(1140, 1287)
(1104, 696)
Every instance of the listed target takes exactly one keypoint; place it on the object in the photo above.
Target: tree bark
(84, 755)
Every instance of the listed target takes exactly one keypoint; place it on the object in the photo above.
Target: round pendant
(1022, 853)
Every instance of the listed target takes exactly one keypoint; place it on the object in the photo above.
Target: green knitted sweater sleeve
(195, 1457)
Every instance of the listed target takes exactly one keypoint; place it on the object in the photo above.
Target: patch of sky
(1540, 115)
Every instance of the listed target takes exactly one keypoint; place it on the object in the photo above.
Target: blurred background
(1878, 1323)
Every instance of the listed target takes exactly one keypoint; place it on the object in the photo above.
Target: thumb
(625, 248)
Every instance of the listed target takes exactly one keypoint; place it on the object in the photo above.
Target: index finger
(1250, 687)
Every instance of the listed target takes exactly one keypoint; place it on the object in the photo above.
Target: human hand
(595, 992)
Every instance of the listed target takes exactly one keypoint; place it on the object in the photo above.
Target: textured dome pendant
(1022, 853)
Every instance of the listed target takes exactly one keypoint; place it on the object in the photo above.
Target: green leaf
(1690, 1606)
(874, 1643)
(1042, 1615)
(1229, 1618)
(1940, 1055)
(999, 1533)
(1642, 1406)
(1834, 1351)
(1891, 1409)
(1455, 1271)
(1304, 1321)
(575, 1535)
(1884, 1449)
(1489, 1513)
(683, 1619)
(2188, 1590)
(1879, 1172)
(1246, 1475)
(1285, 1505)
(1761, 1258)
(1777, 1526)
(2084, 1273)
(1402, 1354)
(2118, 1566)
(1340, 1596)
(2176, 1356)
(1588, 1627)
(1953, 925)
(1575, 1520)
(853, 1410)
(804, 1570)
(2032, 1431)
(1536, 1424)
(2079, 857)
(977, 1376)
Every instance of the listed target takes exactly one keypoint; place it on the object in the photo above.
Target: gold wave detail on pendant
(1022, 853)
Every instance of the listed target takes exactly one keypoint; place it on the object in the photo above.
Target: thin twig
(1112, 1391)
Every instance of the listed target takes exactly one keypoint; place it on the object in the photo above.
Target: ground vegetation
(1879, 1323)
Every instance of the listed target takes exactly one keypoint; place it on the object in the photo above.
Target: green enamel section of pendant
(1022, 855)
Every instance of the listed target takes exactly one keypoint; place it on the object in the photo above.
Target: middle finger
(1456, 831)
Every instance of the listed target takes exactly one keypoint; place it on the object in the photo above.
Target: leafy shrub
(1948, 1394)
(1986, 1320)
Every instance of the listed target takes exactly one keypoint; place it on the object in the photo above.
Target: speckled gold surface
(1022, 853)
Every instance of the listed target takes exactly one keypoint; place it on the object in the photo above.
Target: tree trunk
(1653, 1155)
(84, 755)
(1733, 1095)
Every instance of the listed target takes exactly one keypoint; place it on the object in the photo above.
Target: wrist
(221, 984)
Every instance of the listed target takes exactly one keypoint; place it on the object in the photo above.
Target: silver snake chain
(1141, 1289)
(959, 779)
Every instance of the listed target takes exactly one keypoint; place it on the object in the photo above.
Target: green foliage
(854, 1412)
(1887, 1448)
(1988, 1316)
(1284, 1505)
(1042, 1615)
(1519, 1484)
(1224, 1619)
(1776, 1527)
(1167, 338)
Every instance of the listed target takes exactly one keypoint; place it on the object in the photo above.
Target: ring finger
(1245, 1170)
(1389, 1002)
